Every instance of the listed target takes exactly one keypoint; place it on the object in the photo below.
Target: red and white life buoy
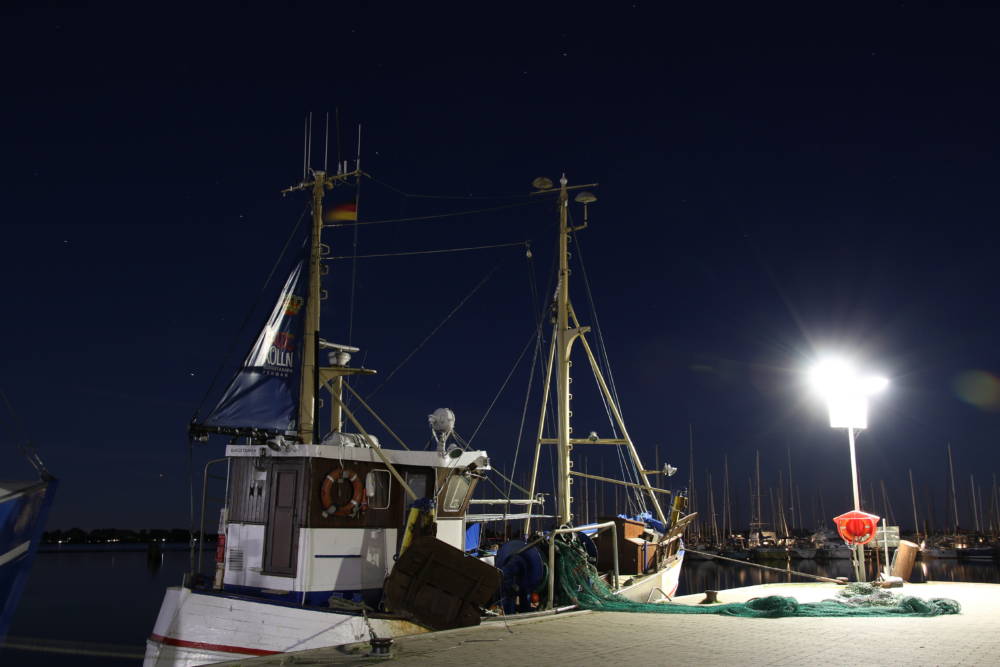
(356, 504)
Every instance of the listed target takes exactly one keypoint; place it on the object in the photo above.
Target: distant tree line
(117, 535)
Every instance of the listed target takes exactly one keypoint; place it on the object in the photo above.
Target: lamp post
(846, 393)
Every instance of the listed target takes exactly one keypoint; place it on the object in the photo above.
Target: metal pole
(541, 426)
(854, 469)
(859, 549)
(564, 338)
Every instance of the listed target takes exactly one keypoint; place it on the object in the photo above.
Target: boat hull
(198, 628)
(659, 586)
(802, 553)
(24, 508)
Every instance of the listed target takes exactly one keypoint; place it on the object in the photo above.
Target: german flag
(341, 212)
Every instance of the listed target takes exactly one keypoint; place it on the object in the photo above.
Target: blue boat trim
(22, 521)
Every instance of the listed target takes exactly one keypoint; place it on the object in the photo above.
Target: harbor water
(100, 605)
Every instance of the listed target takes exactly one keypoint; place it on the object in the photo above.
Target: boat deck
(584, 637)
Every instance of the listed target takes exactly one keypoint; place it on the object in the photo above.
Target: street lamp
(846, 393)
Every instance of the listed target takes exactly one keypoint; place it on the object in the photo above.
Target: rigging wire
(431, 252)
(434, 331)
(250, 312)
(502, 387)
(437, 216)
(509, 480)
(411, 195)
(628, 471)
(539, 336)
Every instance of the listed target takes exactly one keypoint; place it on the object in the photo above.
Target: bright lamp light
(845, 391)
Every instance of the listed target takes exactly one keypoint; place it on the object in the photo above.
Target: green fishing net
(578, 583)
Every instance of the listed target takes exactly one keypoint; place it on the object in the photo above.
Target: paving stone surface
(607, 638)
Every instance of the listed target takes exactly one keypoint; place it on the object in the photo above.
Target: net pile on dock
(578, 583)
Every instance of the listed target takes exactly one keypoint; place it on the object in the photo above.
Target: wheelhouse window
(455, 493)
(377, 488)
(419, 481)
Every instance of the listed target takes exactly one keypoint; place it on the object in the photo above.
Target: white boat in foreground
(320, 535)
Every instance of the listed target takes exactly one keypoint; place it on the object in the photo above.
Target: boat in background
(24, 508)
(829, 546)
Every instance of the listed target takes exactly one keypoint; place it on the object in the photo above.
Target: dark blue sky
(771, 185)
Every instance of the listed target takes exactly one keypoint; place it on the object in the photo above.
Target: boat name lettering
(280, 358)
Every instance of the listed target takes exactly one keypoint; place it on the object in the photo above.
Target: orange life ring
(351, 508)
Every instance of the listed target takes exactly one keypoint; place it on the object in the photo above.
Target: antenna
(357, 164)
(326, 141)
(337, 111)
(305, 147)
(309, 152)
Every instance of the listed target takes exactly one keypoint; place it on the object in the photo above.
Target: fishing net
(578, 583)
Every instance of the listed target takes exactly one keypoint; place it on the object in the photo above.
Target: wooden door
(281, 536)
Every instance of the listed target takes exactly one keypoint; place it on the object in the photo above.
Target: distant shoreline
(132, 547)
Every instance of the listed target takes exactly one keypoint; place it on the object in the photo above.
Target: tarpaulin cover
(264, 394)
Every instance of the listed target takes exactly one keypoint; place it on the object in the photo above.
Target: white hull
(197, 629)
(657, 587)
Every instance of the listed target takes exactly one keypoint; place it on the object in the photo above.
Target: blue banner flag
(264, 394)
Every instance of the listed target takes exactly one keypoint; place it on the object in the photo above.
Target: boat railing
(204, 498)
(506, 515)
(598, 527)
(505, 501)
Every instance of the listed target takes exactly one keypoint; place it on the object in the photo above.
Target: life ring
(351, 508)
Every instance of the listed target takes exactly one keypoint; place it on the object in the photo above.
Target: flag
(341, 212)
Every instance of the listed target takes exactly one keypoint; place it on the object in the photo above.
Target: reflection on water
(699, 576)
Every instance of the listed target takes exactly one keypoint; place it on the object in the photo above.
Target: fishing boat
(24, 508)
(329, 537)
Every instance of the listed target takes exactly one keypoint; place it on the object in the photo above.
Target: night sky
(771, 186)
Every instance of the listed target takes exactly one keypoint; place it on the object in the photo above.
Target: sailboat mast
(727, 516)
(791, 488)
(564, 342)
(760, 517)
(951, 477)
(913, 498)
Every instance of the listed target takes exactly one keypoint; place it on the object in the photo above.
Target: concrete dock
(615, 638)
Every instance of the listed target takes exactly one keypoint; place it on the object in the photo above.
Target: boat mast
(564, 342)
(727, 516)
(951, 476)
(791, 489)
(308, 394)
(567, 330)
(913, 499)
(760, 519)
(310, 381)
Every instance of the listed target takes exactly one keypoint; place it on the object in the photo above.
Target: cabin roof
(338, 452)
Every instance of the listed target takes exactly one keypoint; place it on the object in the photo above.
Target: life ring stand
(349, 509)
